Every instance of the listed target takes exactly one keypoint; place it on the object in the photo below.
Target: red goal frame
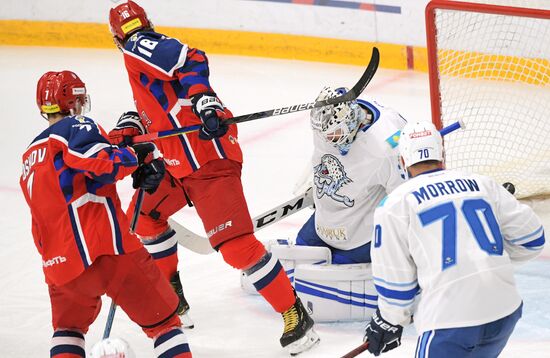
(431, 33)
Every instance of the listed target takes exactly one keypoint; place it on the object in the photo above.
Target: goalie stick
(201, 245)
(352, 94)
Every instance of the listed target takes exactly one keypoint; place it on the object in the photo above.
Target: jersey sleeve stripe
(396, 294)
(395, 284)
(89, 153)
(526, 237)
(404, 304)
(536, 244)
(181, 59)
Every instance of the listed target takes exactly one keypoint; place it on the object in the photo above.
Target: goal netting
(490, 67)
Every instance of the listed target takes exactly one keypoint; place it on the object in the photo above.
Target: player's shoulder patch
(393, 139)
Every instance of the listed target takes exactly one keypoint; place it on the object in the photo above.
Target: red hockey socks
(67, 344)
(270, 280)
(172, 344)
(264, 271)
(164, 250)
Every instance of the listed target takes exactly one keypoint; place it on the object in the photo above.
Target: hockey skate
(298, 335)
(183, 307)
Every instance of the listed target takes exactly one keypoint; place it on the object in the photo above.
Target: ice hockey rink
(228, 322)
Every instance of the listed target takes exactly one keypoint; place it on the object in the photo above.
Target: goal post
(489, 66)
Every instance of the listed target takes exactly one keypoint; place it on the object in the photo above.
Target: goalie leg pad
(290, 256)
(337, 292)
(67, 344)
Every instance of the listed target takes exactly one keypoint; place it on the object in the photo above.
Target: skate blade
(186, 321)
(303, 344)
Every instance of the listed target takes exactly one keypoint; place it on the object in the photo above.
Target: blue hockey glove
(382, 335)
(211, 112)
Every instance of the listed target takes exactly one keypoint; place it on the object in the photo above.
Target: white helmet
(112, 347)
(420, 142)
(339, 123)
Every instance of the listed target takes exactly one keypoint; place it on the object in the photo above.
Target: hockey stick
(201, 245)
(137, 209)
(110, 318)
(133, 223)
(352, 94)
(354, 353)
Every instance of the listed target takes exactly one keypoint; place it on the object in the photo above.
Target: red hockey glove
(128, 125)
(211, 112)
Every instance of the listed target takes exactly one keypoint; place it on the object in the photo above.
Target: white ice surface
(229, 323)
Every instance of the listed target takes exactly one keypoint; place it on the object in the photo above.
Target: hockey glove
(151, 170)
(382, 335)
(211, 112)
(128, 125)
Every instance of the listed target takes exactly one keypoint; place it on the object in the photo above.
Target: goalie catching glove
(381, 335)
(211, 112)
(151, 170)
(128, 126)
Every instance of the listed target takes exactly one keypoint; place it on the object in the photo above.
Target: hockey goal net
(490, 67)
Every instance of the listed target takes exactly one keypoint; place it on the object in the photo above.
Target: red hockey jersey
(164, 74)
(68, 179)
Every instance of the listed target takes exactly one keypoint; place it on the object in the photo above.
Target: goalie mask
(337, 124)
(61, 92)
(419, 142)
(126, 19)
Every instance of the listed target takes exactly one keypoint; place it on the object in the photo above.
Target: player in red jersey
(171, 88)
(80, 230)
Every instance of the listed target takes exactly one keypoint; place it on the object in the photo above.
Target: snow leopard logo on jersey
(329, 177)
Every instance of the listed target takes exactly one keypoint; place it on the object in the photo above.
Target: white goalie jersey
(348, 187)
(447, 239)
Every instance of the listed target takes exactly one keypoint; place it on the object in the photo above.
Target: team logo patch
(329, 177)
(83, 123)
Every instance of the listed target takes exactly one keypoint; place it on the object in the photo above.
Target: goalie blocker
(330, 292)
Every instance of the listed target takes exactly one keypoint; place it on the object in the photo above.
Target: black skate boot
(183, 307)
(298, 335)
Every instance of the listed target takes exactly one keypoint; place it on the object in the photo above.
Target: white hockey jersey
(348, 187)
(449, 239)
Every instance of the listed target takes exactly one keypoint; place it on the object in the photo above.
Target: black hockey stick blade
(359, 86)
(352, 94)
